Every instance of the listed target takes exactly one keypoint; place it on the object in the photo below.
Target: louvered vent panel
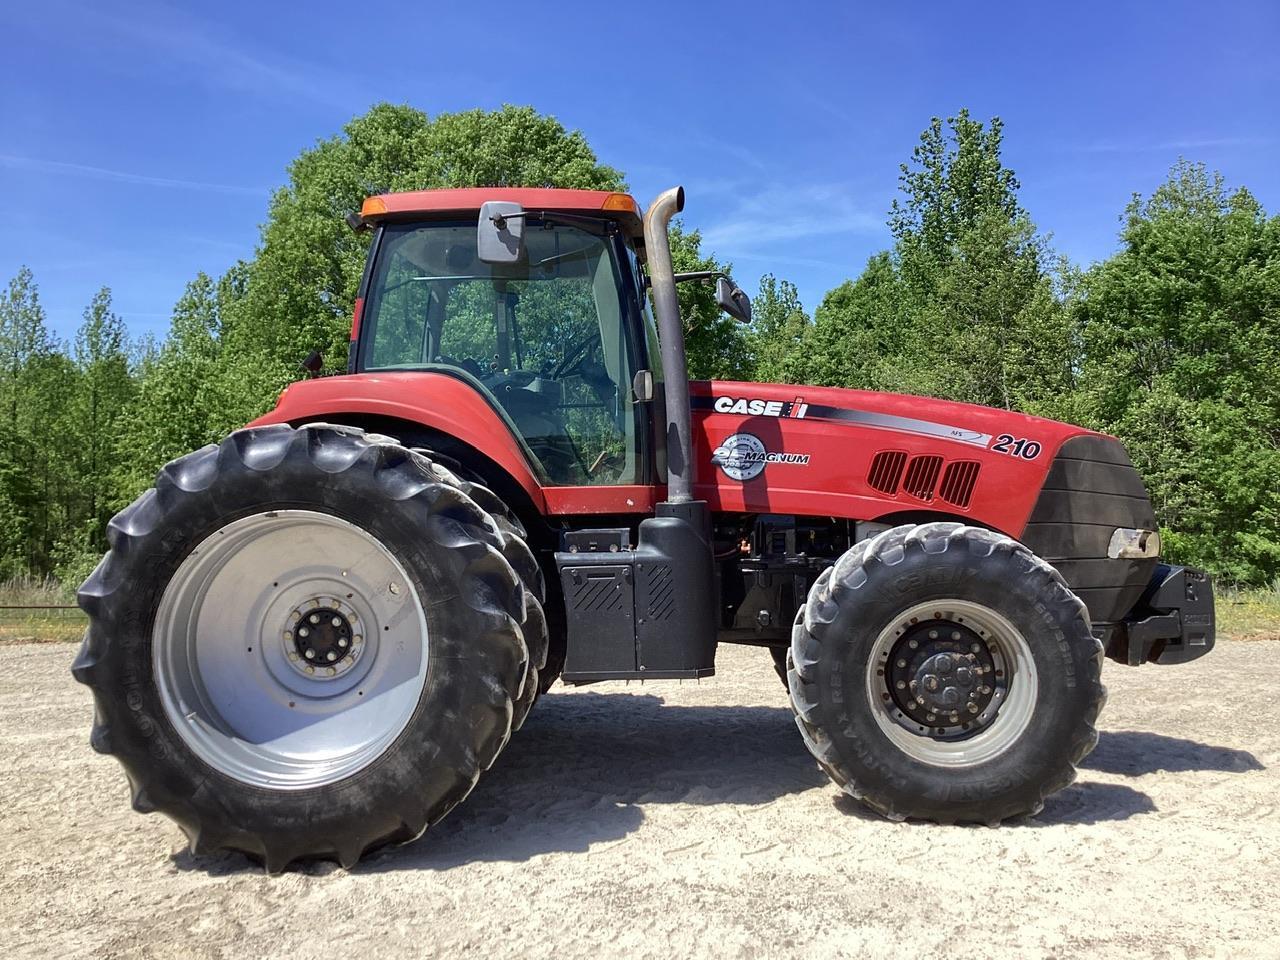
(886, 471)
(922, 477)
(957, 482)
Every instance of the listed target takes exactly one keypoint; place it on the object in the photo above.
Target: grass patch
(1244, 613)
(38, 625)
(1249, 613)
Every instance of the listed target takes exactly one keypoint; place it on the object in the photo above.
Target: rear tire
(194, 649)
(945, 673)
(516, 549)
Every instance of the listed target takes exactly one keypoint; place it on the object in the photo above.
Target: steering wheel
(575, 358)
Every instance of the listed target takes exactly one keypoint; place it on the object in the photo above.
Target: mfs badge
(743, 456)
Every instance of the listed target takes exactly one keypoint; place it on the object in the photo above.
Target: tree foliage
(1181, 332)
(713, 341)
(964, 305)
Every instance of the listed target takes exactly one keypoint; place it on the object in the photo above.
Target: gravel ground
(673, 820)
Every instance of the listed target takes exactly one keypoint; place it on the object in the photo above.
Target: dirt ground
(674, 820)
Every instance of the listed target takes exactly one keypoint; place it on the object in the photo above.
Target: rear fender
(435, 401)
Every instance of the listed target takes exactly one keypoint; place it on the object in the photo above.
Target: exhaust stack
(671, 333)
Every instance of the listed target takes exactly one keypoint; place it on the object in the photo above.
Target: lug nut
(933, 634)
(331, 656)
(986, 689)
(955, 634)
(902, 663)
(303, 632)
(336, 622)
(973, 708)
(902, 685)
(976, 648)
(913, 644)
(309, 654)
(342, 642)
(314, 618)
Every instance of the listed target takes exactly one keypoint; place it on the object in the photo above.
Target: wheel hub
(322, 639)
(942, 674)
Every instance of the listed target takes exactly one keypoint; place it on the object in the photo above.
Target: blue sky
(140, 141)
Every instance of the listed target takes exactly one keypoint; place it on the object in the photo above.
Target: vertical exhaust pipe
(671, 334)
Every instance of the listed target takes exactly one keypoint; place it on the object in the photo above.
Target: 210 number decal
(1014, 447)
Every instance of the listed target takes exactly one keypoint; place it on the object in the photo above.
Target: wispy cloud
(222, 60)
(1167, 146)
(63, 167)
(790, 212)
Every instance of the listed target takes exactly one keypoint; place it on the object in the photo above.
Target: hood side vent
(958, 481)
(922, 477)
(886, 471)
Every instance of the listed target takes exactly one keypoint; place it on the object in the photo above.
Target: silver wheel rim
(1013, 697)
(229, 661)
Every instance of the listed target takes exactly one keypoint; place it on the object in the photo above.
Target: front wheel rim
(290, 649)
(966, 714)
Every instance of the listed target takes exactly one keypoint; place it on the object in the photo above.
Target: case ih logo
(755, 407)
(743, 456)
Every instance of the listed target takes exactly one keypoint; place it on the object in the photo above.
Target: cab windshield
(545, 338)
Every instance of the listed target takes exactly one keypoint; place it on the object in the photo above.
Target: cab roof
(432, 203)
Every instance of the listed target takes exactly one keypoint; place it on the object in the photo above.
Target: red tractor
(310, 640)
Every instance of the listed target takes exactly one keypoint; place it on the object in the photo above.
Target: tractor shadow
(580, 770)
(1132, 753)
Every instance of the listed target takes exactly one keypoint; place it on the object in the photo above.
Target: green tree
(714, 343)
(1182, 336)
(779, 326)
(965, 305)
(93, 431)
(33, 395)
(860, 335)
(179, 405)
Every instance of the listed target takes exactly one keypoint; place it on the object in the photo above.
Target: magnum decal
(743, 456)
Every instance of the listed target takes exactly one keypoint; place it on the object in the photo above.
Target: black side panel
(599, 598)
(646, 613)
(1092, 488)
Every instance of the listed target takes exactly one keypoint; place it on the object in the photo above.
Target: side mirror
(642, 386)
(500, 232)
(313, 364)
(733, 300)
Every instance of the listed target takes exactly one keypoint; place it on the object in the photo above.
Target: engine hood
(866, 455)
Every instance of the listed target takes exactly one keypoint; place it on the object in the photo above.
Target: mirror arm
(700, 275)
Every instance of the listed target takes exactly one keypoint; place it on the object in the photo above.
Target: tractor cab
(553, 329)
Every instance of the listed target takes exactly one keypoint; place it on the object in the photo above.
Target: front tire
(945, 673)
(302, 644)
